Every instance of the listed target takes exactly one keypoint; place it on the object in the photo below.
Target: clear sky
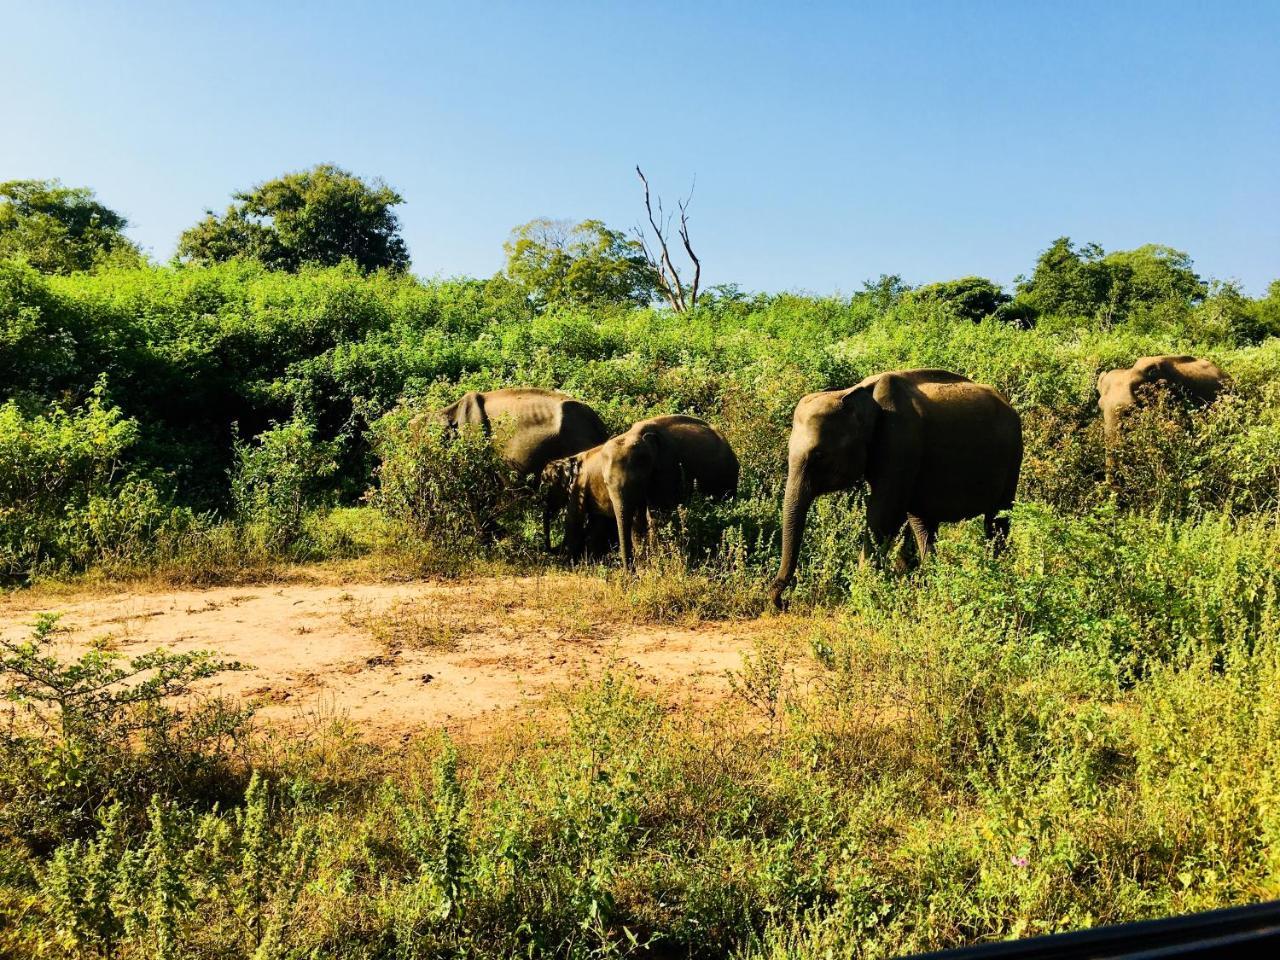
(831, 142)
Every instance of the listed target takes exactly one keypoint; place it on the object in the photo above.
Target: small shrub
(97, 729)
(65, 496)
(278, 479)
(450, 489)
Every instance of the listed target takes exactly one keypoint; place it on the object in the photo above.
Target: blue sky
(831, 142)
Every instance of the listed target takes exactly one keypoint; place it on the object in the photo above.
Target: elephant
(653, 466)
(1195, 379)
(544, 425)
(932, 445)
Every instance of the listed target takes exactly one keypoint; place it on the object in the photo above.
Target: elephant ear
(896, 444)
(665, 484)
(861, 403)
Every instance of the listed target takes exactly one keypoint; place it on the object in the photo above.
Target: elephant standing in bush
(932, 445)
(653, 466)
(1197, 380)
(535, 426)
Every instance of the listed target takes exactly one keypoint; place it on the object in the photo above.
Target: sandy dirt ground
(399, 658)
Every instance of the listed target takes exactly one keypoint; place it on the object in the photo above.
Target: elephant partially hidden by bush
(539, 425)
(653, 466)
(533, 427)
(1119, 390)
(932, 445)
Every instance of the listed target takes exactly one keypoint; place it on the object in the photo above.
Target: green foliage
(65, 500)
(584, 264)
(279, 477)
(971, 298)
(61, 229)
(1152, 280)
(448, 488)
(323, 216)
(100, 729)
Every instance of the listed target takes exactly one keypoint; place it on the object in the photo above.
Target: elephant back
(695, 455)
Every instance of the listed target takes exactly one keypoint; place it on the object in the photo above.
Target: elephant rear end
(540, 426)
(697, 456)
(973, 454)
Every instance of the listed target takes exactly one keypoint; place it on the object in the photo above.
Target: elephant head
(1115, 397)
(831, 435)
(555, 486)
(1193, 379)
(637, 477)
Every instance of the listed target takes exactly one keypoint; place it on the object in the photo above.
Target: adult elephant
(534, 427)
(932, 445)
(540, 425)
(653, 466)
(1119, 390)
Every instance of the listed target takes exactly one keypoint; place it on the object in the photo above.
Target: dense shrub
(65, 499)
(448, 488)
(279, 477)
(1080, 730)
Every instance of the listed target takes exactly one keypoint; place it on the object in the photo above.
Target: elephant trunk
(795, 509)
(625, 505)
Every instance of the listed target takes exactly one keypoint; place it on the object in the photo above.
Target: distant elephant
(544, 425)
(653, 466)
(1197, 380)
(933, 446)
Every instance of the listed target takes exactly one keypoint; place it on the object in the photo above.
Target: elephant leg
(921, 539)
(996, 529)
(626, 524)
(601, 536)
(576, 526)
(644, 528)
(885, 520)
(651, 530)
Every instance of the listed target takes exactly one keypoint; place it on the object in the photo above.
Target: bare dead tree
(670, 283)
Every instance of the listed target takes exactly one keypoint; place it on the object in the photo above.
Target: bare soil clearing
(399, 658)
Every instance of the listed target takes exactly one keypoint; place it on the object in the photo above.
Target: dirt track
(397, 658)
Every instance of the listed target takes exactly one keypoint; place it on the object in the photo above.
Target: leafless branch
(670, 283)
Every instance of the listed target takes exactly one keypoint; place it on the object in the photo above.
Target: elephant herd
(931, 446)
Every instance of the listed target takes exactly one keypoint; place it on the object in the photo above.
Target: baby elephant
(653, 466)
(1198, 380)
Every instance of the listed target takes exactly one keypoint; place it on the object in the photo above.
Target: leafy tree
(971, 298)
(1067, 280)
(1266, 312)
(61, 229)
(1088, 282)
(558, 262)
(1154, 274)
(885, 291)
(320, 216)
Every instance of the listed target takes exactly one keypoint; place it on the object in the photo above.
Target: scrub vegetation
(1084, 729)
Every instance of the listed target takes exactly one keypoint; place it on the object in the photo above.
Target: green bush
(278, 479)
(450, 489)
(65, 497)
(95, 731)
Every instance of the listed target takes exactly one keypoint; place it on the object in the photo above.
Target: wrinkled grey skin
(1118, 390)
(538, 426)
(653, 466)
(933, 446)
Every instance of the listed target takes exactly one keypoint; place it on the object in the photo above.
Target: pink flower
(1019, 861)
